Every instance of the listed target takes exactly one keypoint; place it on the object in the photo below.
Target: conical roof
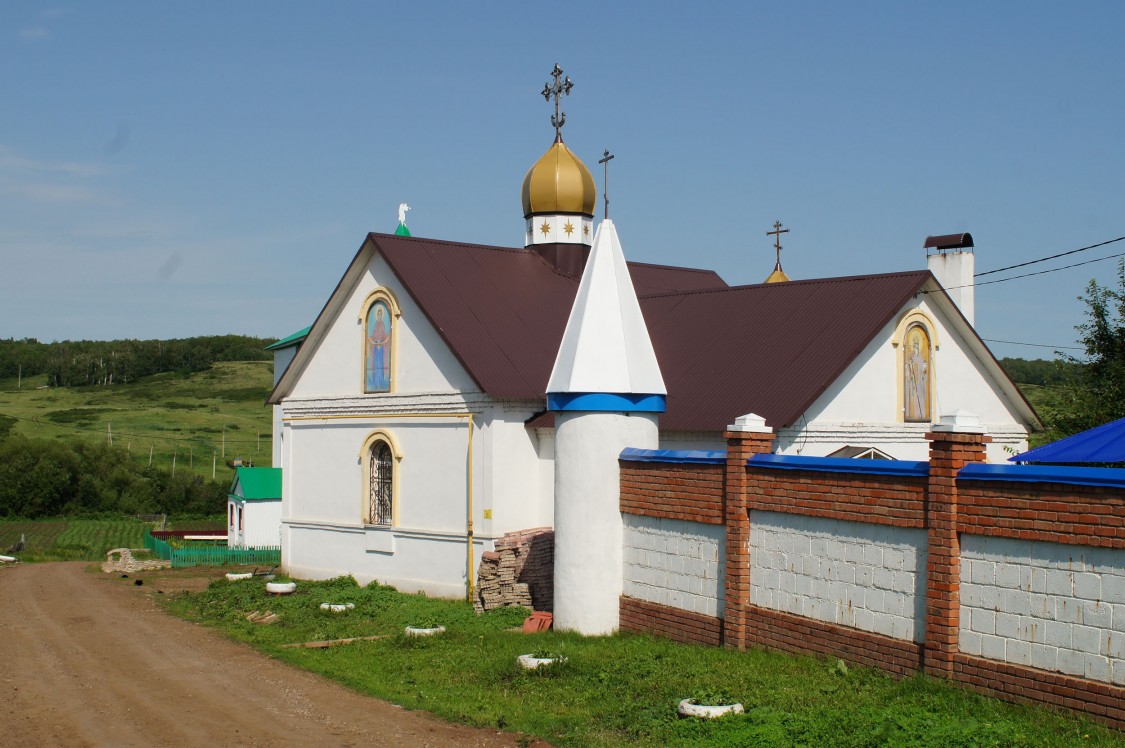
(606, 346)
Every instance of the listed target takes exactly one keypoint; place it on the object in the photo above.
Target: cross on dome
(558, 119)
(778, 274)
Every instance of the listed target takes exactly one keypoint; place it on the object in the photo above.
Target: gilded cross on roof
(776, 234)
(558, 89)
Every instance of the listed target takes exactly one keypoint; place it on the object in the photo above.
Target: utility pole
(109, 431)
(19, 378)
(174, 464)
(150, 446)
(224, 441)
(214, 460)
(191, 457)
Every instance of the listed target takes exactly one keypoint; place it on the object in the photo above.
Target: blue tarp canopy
(1105, 443)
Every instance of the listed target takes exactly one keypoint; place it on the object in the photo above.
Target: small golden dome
(559, 183)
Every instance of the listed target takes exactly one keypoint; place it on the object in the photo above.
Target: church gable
(372, 338)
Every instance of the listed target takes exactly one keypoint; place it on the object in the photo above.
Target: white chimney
(950, 258)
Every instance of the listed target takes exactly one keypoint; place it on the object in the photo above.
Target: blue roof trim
(1081, 476)
(605, 401)
(841, 465)
(693, 456)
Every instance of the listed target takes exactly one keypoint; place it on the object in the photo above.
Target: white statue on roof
(402, 208)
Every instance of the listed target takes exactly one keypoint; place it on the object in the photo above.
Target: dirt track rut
(87, 660)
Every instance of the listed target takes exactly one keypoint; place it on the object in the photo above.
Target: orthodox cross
(776, 234)
(558, 119)
(605, 181)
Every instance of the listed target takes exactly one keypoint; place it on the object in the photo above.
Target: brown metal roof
(503, 311)
(770, 349)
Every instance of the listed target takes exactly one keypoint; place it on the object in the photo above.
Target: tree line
(50, 478)
(72, 363)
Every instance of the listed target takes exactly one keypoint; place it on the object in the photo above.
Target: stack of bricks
(519, 572)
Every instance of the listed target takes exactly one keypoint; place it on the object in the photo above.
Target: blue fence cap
(694, 456)
(1080, 476)
(841, 465)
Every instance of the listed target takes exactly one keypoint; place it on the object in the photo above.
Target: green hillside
(198, 419)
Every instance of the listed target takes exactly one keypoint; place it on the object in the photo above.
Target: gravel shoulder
(89, 659)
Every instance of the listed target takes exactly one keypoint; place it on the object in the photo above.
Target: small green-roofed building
(254, 508)
(290, 340)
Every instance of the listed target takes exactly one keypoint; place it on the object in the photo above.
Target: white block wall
(675, 563)
(867, 576)
(1045, 605)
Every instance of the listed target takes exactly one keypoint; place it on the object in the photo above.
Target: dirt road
(88, 660)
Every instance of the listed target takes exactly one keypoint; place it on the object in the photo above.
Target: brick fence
(1008, 579)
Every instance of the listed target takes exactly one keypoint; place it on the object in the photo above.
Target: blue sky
(169, 170)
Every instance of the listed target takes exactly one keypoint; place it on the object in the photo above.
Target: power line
(1052, 257)
(1037, 345)
(1052, 270)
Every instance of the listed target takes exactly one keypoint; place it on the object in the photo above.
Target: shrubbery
(41, 478)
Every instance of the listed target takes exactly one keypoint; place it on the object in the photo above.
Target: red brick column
(949, 452)
(740, 446)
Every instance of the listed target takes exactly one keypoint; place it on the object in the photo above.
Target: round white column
(589, 560)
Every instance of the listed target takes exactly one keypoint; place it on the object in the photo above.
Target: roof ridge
(381, 235)
(781, 286)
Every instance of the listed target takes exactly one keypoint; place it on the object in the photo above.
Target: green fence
(212, 555)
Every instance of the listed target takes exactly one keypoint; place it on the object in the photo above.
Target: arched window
(917, 374)
(380, 483)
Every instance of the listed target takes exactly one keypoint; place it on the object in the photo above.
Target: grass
(79, 539)
(218, 412)
(613, 691)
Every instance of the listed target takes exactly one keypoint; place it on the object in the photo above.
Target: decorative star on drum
(568, 228)
(586, 229)
(545, 228)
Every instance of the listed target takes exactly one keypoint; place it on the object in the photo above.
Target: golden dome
(559, 183)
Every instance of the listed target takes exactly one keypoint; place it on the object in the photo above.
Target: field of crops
(77, 539)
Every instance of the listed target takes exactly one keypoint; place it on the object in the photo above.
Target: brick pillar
(748, 436)
(950, 450)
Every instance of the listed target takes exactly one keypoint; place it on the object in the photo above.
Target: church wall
(326, 481)
(423, 363)
(861, 408)
(281, 360)
(516, 488)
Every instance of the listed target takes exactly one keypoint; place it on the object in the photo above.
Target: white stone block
(884, 579)
(876, 600)
(903, 582)
(1071, 662)
(1007, 625)
(1055, 633)
(1017, 652)
(1038, 580)
(992, 647)
(1097, 614)
(1060, 582)
(835, 550)
(853, 553)
(981, 572)
(863, 575)
(895, 603)
(1043, 606)
(1113, 588)
(1044, 657)
(984, 621)
(1086, 639)
(872, 555)
(1118, 622)
(1015, 601)
(1088, 586)
(883, 625)
(969, 642)
(1008, 576)
(902, 628)
(864, 619)
(1118, 673)
(966, 617)
(1068, 609)
(1113, 645)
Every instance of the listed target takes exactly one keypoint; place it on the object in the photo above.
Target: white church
(420, 418)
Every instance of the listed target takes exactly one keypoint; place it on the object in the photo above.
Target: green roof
(293, 339)
(402, 230)
(257, 484)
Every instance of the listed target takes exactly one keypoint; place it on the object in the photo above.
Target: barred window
(380, 489)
